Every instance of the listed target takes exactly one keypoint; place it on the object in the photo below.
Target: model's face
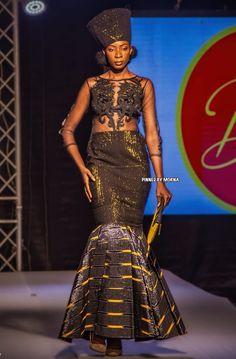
(118, 54)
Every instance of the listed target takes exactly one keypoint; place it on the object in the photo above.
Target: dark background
(56, 55)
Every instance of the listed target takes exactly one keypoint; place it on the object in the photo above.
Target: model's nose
(118, 54)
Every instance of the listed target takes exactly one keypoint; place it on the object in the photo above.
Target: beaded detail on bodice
(115, 102)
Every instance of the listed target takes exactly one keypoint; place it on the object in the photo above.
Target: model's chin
(119, 66)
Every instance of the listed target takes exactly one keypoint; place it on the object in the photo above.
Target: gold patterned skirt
(118, 292)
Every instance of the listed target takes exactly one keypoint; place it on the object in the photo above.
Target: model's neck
(118, 74)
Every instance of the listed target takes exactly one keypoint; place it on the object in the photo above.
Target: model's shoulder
(91, 80)
(140, 77)
(144, 81)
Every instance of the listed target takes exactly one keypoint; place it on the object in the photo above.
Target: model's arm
(72, 120)
(67, 130)
(153, 139)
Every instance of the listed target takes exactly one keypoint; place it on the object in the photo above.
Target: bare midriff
(130, 124)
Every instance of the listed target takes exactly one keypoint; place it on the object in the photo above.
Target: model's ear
(133, 52)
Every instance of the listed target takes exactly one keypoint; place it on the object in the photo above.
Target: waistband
(117, 133)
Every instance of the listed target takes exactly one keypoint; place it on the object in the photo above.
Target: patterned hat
(111, 25)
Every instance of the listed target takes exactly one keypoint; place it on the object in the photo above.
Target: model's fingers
(88, 190)
(159, 197)
(86, 194)
(89, 196)
(91, 175)
(168, 199)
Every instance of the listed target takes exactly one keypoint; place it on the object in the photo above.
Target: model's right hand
(86, 175)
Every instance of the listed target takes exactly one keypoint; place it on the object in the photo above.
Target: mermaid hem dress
(118, 291)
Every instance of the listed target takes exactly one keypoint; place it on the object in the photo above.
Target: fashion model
(119, 292)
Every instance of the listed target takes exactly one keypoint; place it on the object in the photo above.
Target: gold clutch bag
(155, 227)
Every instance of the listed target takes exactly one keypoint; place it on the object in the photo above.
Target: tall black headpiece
(111, 25)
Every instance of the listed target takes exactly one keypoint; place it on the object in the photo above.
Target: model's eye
(110, 50)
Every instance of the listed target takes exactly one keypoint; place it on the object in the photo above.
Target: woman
(118, 292)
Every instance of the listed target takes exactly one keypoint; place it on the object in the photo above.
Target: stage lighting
(34, 7)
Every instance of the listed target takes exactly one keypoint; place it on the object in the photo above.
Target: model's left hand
(162, 191)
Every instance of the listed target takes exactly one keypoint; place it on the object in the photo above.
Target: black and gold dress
(117, 291)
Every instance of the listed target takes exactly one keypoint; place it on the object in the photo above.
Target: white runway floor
(32, 306)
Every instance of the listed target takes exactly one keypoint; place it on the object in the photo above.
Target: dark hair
(102, 60)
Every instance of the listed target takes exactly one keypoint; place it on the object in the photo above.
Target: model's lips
(119, 62)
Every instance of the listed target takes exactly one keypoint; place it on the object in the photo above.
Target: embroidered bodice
(115, 102)
(116, 106)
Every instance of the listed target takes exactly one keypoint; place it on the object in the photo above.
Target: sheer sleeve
(151, 125)
(75, 115)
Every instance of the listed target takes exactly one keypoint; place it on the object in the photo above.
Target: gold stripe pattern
(98, 282)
